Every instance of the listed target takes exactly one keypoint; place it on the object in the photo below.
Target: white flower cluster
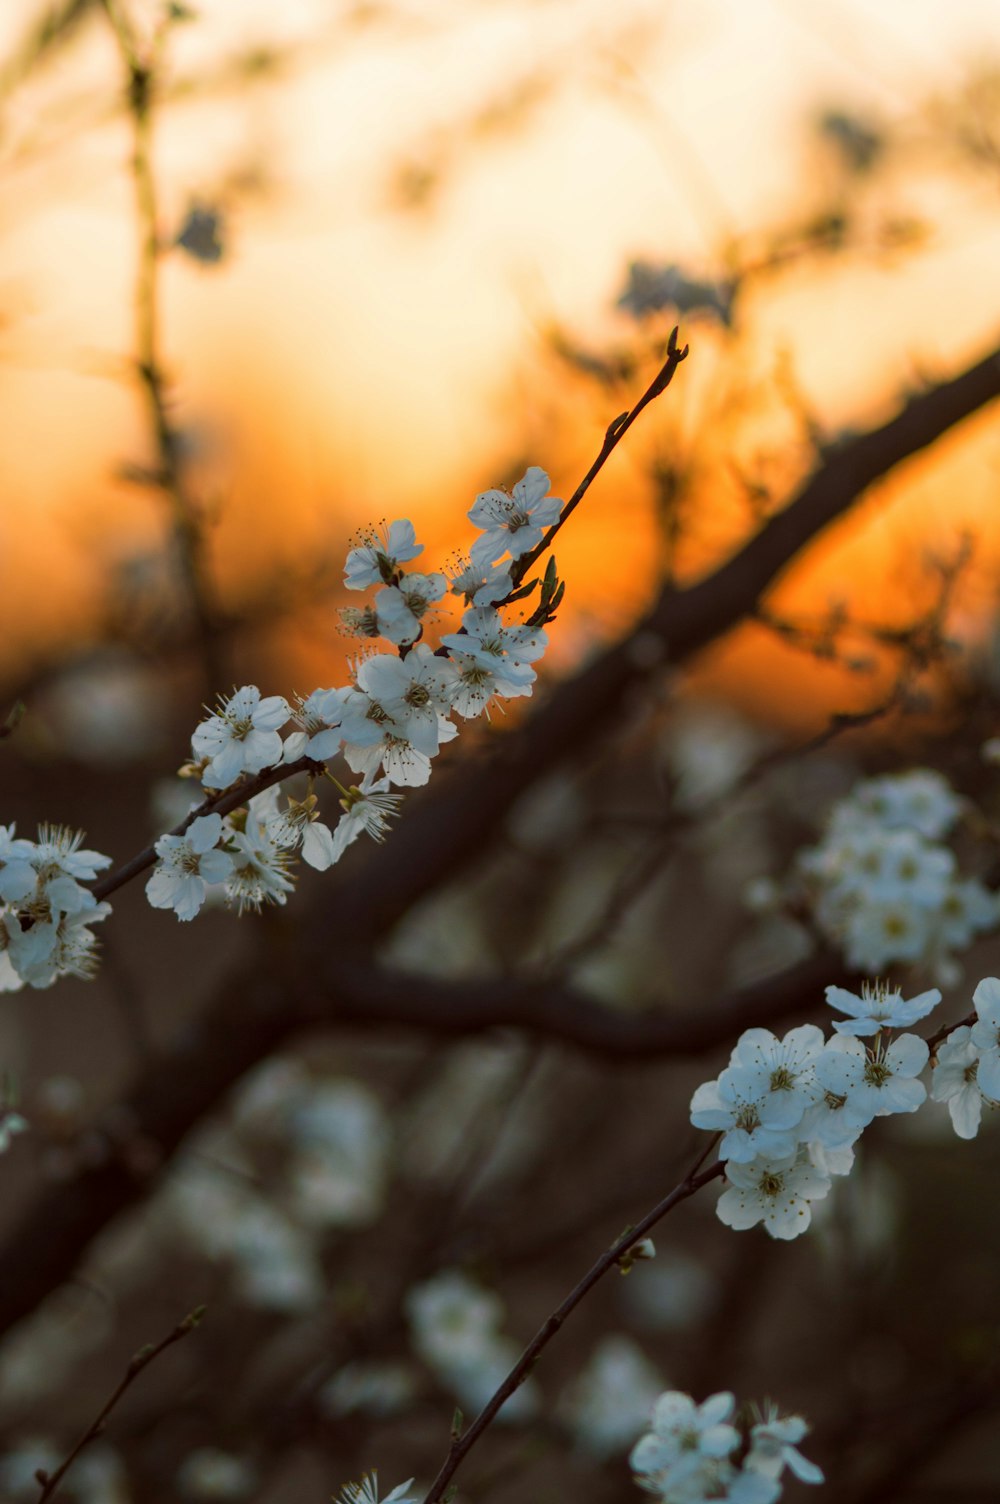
(885, 887)
(388, 723)
(791, 1110)
(455, 1328)
(694, 1453)
(45, 912)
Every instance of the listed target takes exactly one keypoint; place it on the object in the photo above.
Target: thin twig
(214, 804)
(615, 433)
(140, 1360)
(462, 1445)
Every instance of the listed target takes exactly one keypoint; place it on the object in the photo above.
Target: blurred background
(272, 273)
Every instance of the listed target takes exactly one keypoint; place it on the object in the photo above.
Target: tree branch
(462, 1445)
(449, 827)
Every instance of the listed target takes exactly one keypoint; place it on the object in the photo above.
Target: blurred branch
(643, 870)
(278, 996)
(616, 431)
(141, 66)
(919, 1441)
(142, 1359)
(55, 26)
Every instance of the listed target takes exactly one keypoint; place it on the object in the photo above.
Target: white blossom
(492, 659)
(186, 865)
(367, 808)
(241, 737)
(318, 718)
(919, 800)
(366, 1492)
(57, 853)
(260, 866)
(878, 1008)
(884, 887)
(759, 1100)
(481, 584)
(956, 1081)
(11, 1124)
(608, 1404)
(60, 945)
(455, 1329)
(986, 1035)
(400, 609)
(773, 1447)
(17, 875)
(876, 933)
(513, 521)
(407, 696)
(377, 557)
(876, 1079)
(775, 1191)
(452, 1319)
(683, 1432)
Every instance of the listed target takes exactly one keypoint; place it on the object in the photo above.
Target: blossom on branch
(369, 809)
(775, 1191)
(368, 563)
(187, 864)
(491, 659)
(956, 1081)
(400, 609)
(260, 872)
(513, 522)
(876, 1079)
(241, 737)
(878, 1008)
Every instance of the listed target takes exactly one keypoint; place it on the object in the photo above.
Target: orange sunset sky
(413, 194)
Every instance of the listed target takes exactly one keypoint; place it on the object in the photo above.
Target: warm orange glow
(410, 201)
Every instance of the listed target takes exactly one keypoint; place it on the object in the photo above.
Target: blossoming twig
(216, 804)
(616, 432)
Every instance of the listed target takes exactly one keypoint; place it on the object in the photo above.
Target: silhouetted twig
(140, 1360)
(462, 1444)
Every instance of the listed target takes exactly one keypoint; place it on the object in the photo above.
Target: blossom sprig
(238, 750)
(388, 723)
(790, 1112)
(696, 1453)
